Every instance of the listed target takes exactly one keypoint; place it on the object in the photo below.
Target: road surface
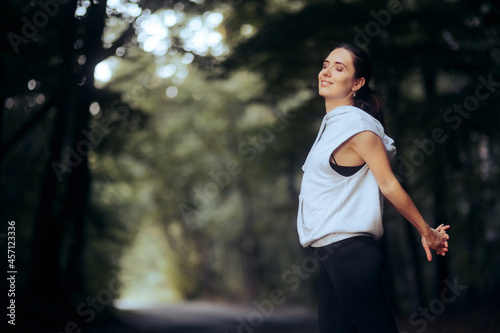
(207, 317)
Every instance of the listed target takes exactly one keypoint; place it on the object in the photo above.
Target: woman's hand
(436, 240)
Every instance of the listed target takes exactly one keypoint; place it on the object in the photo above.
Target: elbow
(389, 187)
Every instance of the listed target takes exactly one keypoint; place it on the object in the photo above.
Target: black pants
(351, 295)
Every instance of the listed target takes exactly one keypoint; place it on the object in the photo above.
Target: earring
(354, 95)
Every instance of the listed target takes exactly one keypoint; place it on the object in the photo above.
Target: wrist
(426, 231)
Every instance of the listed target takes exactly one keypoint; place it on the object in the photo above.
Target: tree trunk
(249, 246)
(75, 206)
(44, 278)
(77, 196)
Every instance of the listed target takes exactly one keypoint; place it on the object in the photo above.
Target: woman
(346, 176)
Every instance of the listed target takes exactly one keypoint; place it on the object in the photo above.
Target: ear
(359, 84)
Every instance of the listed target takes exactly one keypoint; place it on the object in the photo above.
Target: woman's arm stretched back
(370, 148)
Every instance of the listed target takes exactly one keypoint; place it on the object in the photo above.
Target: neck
(331, 104)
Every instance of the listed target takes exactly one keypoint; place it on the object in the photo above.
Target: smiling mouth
(325, 83)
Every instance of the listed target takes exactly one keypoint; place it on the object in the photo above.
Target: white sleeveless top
(333, 207)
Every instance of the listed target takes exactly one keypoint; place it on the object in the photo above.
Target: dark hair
(366, 98)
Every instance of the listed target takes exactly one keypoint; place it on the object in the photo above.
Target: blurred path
(206, 317)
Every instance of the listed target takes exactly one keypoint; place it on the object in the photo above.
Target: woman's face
(336, 80)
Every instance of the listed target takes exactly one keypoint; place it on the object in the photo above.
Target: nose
(326, 72)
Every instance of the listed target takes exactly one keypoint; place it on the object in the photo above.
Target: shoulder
(366, 139)
(366, 130)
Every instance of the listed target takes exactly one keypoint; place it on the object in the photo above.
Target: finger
(444, 235)
(442, 228)
(428, 253)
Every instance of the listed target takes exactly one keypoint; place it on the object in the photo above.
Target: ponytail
(366, 98)
(370, 101)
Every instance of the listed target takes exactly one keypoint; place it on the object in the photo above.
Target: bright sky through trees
(155, 32)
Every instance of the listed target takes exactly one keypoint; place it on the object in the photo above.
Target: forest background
(153, 149)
